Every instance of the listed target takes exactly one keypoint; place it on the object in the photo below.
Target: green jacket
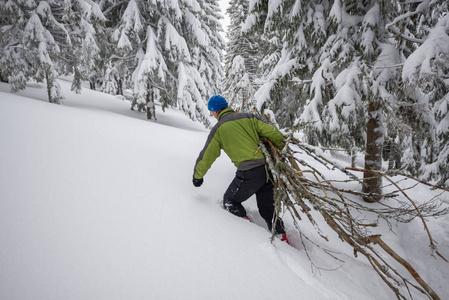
(238, 135)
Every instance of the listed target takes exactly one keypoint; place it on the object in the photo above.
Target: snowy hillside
(98, 203)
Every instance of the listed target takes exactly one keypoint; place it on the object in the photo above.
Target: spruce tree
(85, 23)
(43, 39)
(126, 31)
(423, 29)
(287, 41)
(339, 64)
(208, 59)
(29, 48)
(241, 59)
(165, 46)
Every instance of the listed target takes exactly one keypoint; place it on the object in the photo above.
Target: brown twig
(336, 211)
(432, 244)
(376, 239)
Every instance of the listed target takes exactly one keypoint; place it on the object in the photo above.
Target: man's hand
(198, 182)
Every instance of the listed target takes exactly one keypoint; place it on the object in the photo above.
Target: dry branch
(299, 185)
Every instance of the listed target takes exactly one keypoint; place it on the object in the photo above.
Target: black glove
(198, 182)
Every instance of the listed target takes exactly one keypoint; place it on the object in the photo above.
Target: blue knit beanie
(217, 103)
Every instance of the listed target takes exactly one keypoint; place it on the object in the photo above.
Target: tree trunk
(119, 85)
(372, 184)
(53, 91)
(48, 81)
(3, 79)
(92, 84)
(353, 156)
(151, 111)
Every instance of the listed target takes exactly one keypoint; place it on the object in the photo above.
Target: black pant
(246, 184)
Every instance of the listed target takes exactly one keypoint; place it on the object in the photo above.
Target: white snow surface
(98, 203)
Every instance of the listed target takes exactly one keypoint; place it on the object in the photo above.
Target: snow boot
(284, 238)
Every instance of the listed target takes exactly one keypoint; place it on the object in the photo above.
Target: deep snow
(97, 203)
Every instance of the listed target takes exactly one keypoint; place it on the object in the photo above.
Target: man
(238, 135)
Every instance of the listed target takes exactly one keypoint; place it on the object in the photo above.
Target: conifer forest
(359, 76)
(367, 79)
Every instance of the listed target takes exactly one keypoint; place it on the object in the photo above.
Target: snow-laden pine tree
(84, 21)
(109, 84)
(346, 62)
(294, 74)
(122, 50)
(209, 57)
(423, 28)
(165, 45)
(29, 49)
(200, 72)
(241, 59)
(43, 39)
(119, 46)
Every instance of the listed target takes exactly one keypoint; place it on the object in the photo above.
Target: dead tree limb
(298, 184)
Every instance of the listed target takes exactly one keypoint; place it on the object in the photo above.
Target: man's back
(238, 135)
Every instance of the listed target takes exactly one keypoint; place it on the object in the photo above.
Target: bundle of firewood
(304, 192)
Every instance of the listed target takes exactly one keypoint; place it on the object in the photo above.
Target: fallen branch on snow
(299, 186)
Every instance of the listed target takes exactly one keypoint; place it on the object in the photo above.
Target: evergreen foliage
(425, 78)
(241, 59)
(338, 65)
(172, 49)
(335, 66)
(166, 51)
(44, 39)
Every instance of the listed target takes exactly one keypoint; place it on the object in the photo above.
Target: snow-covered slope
(97, 203)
